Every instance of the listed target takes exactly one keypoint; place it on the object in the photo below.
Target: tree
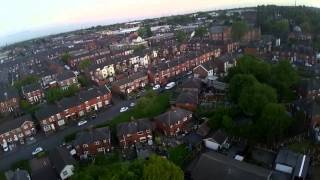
(253, 98)
(283, 77)
(145, 31)
(238, 30)
(237, 83)
(215, 121)
(254, 66)
(159, 168)
(281, 28)
(84, 81)
(85, 64)
(66, 57)
(181, 36)
(273, 123)
(201, 32)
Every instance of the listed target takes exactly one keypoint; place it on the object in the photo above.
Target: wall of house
(99, 146)
(128, 140)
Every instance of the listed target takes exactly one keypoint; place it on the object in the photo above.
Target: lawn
(301, 147)
(2, 176)
(148, 106)
(178, 154)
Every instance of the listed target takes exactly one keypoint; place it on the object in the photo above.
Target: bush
(178, 154)
(22, 164)
(70, 137)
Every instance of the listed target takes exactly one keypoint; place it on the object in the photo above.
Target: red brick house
(164, 71)
(220, 33)
(92, 142)
(33, 93)
(135, 131)
(130, 83)
(66, 79)
(9, 99)
(18, 129)
(174, 121)
(54, 116)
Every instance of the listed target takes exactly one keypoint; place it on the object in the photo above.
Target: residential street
(53, 140)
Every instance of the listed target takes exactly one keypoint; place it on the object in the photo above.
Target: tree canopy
(181, 36)
(145, 31)
(201, 32)
(238, 30)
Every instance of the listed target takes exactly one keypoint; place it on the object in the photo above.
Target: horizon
(14, 30)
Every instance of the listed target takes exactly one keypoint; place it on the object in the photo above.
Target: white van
(170, 85)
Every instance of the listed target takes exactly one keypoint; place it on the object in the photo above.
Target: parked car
(170, 85)
(80, 123)
(132, 104)
(156, 87)
(93, 116)
(123, 109)
(37, 150)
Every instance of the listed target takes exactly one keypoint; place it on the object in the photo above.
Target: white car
(80, 123)
(5, 148)
(37, 150)
(132, 104)
(170, 85)
(156, 87)
(123, 109)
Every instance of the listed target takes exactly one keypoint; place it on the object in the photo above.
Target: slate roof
(173, 116)
(65, 75)
(133, 127)
(219, 136)
(11, 124)
(208, 65)
(191, 83)
(8, 93)
(89, 137)
(188, 97)
(60, 158)
(217, 29)
(299, 162)
(51, 109)
(130, 78)
(31, 87)
(212, 164)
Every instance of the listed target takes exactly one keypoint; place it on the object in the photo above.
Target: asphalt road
(49, 142)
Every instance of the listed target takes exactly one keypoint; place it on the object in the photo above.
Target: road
(49, 142)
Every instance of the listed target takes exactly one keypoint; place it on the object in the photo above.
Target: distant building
(33, 93)
(62, 162)
(9, 99)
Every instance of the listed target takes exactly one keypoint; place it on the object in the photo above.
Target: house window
(104, 141)
(97, 142)
(85, 145)
(140, 133)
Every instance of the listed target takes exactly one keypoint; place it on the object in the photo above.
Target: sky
(41, 17)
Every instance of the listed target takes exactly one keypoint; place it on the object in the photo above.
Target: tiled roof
(90, 136)
(133, 127)
(173, 116)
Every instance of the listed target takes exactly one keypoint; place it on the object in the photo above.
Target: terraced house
(33, 93)
(133, 132)
(9, 99)
(92, 142)
(130, 83)
(54, 116)
(16, 130)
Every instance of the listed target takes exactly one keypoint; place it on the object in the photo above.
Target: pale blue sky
(30, 15)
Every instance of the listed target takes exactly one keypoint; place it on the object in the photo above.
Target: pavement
(49, 142)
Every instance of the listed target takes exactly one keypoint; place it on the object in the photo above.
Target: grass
(178, 154)
(301, 147)
(148, 106)
(2, 176)
(22, 164)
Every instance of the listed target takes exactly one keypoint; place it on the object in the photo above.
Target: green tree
(253, 98)
(281, 28)
(84, 81)
(215, 121)
(273, 123)
(145, 31)
(201, 32)
(237, 83)
(238, 30)
(85, 64)
(66, 57)
(159, 168)
(181, 36)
